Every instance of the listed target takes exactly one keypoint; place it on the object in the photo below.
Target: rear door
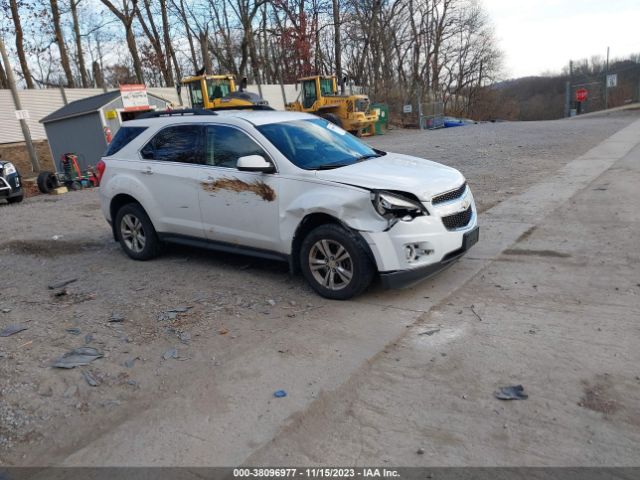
(239, 208)
(171, 166)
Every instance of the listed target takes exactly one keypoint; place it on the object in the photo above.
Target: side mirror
(255, 163)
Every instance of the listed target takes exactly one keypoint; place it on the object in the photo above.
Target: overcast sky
(539, 36)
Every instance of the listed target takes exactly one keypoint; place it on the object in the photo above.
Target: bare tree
(64, 57)
(19, 34)
(126, 16)
(78, 39)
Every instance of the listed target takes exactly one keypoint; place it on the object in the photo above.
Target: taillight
(100, 168)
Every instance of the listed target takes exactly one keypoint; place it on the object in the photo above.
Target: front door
(239, 208)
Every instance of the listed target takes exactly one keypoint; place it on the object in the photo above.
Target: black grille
(448, 196)
(458, 220)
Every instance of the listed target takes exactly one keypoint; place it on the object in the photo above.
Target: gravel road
(202, 304)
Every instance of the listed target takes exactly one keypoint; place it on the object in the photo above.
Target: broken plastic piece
(91, 380)
(12, 329)
(77, 357)
(279, 393)
(513, 392)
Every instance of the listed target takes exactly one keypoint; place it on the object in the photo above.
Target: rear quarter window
(122, 138)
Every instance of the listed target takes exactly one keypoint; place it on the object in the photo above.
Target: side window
(182, 143)
(123, 136)
(224, 145)
(309, 95)
(195, 89)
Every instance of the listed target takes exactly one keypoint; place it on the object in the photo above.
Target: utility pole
(606, 79)
(16, 101)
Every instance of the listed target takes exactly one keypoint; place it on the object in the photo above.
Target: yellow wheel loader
(219, 91)
(319, 95)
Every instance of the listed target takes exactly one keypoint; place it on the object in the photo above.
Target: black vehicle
(10, 183)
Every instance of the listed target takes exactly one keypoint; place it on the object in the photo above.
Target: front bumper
(405, 278)
(10, 186)
(413, 250)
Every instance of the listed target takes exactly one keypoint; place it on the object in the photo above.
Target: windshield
(317, 144)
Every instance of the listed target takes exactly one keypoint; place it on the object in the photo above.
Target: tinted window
(317, 144)
(224, 145)
(122, 138)
(182, 143)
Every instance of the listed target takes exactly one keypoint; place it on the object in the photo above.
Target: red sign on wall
(581, 94)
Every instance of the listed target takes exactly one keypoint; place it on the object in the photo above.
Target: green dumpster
(383, 117)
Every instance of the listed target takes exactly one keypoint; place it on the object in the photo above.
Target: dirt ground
(187, 322)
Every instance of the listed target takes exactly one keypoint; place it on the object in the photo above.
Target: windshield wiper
(367, 157)
(331, 166)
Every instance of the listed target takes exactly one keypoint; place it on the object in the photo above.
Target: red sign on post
(581, 94)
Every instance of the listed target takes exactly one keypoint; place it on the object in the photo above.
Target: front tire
(335, 263)
(136, 233)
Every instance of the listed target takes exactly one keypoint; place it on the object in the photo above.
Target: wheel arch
(312, 221)
(117, 202)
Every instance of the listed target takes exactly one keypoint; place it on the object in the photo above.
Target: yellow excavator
(319, 95)
(219, 91)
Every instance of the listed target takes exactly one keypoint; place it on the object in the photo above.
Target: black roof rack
(245, 107)
(175, 113)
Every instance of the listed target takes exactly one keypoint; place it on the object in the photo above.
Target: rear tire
(135, 232)
(333, 118)
(47, 181)
(335, 263)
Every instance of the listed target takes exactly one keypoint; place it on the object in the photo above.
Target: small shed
(80, 127)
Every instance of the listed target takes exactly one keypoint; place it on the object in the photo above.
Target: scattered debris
(63, 283)
(513, 392)
(223, 331)
(12, 330)
(88, 338)
(77, 357)
(475, 313)
(116, 318)
(73, 330)
(171, 353)
(7, 310)
(420, 451)
(279, 393)
(428, 333)
(130, 363)
(185, 337)
(61, 293)
(91, 380)
(172, 314)
(271, 302)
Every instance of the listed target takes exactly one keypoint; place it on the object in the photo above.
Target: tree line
(396, 50)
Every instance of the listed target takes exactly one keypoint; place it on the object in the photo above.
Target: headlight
(9, 169)
(390, 205)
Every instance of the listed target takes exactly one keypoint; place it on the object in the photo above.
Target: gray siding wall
(81, 135)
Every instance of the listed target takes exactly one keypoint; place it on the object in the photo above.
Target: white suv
(287, 186)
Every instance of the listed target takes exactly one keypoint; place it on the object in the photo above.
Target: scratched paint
(258, 188)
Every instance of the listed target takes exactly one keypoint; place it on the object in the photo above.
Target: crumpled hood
(395, 171)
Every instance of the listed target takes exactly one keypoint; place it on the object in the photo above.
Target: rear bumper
(406, 278)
